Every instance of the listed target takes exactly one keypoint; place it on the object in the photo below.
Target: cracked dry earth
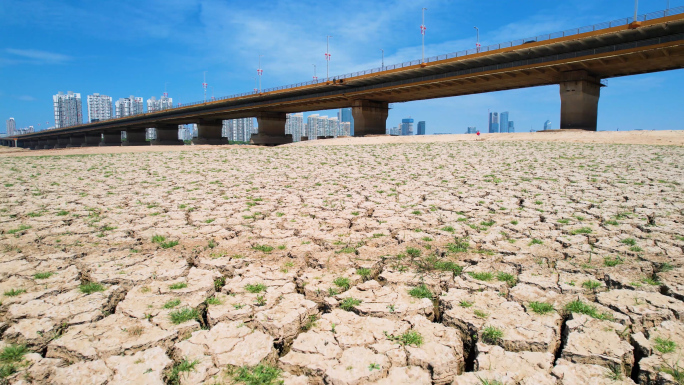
(453, 263)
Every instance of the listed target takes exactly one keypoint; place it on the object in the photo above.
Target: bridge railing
(466, 52)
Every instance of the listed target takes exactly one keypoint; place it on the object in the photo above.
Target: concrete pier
(271, 129)
(579, 93)
(370, 117)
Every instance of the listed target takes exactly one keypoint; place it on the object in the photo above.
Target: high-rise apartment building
(511, 126)
(68, 109)
(406, 127)
(345, 129)
(421, 127)
(493, 122)
(11, 126)
(239, 130)
(345, 115)
(312, 126)
(99, 107)
(164, 103)
(294, 125)
(128, 106)
(333, 127)
(503, 122)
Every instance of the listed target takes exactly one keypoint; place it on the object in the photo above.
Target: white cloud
(39, 57)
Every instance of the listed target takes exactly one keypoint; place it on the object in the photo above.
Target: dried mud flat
(491, 262)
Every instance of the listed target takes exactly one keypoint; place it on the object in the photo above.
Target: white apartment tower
(239, 130)
(294, 125)
(11, 126)
(99, 107)
(154, 104)
(68, 110)
(128, 106)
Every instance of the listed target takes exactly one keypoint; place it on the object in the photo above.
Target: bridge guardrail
(466, 52)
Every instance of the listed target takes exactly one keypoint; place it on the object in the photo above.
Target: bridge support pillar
(76, 141)
(271, 129)
(92, 139)
(370, 117)
(62, 142)
(579, 93)
(135, 138)
(111, 139)
(167, 135)
(209, 132)
(50, 143)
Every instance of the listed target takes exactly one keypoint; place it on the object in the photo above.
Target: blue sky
(122, 48)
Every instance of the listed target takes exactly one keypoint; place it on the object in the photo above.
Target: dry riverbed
(465, 263)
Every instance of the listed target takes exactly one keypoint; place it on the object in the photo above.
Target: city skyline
(76, 63)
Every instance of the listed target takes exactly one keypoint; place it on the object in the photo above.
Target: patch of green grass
(541, 307)
(514, 222)
(591, 285)
(535, 241)
(257, 375)
(178, 285)
(219, 283)
(172, 303)
(629, 241)
(342, 282)
(421, 291)
(465, 304)
(480, 314)
(675, 371)
(18, 229)
(460, 245)
(349, 303)
(43, 275)
(410, 337)
(577, 306)
(484, 381)
(256, 288)
(491, 335)
(448, 229)
(413, 252)
(581, 230)
(161, 241)
(183, 315)
(91, 287)
(213, 301)
(174, 376)
(612, 222)
(488, 223)
(636, 249)
(665, 345)
(13, 353)
(612, 261)
(365, 273)
(651, 281)
(263, 248)
(7, 370)
(62, 213)
(481, 275)
(510, 279)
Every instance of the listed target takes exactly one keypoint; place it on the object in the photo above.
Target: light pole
(327, 58)
(477, 44)
(204, 85)
(212, 93)
(260, 72)
(422, 32)
(315, 78)
(636, 5)
(255, 85)
(383, 58)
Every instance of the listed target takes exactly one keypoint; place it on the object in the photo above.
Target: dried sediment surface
(449, 262)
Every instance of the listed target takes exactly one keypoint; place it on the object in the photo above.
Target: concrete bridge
(577, 60)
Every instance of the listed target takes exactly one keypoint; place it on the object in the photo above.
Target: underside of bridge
(577, 64)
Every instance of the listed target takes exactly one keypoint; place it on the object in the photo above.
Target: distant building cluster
(13, 130)
(317, 126)
(239, 130)
(406, 128)
(500, 123)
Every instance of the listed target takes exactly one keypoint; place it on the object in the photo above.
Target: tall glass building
(345, 115)
(421, 127)
(493, 122)
(503, 121)
(511, 126)
(406, 127)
